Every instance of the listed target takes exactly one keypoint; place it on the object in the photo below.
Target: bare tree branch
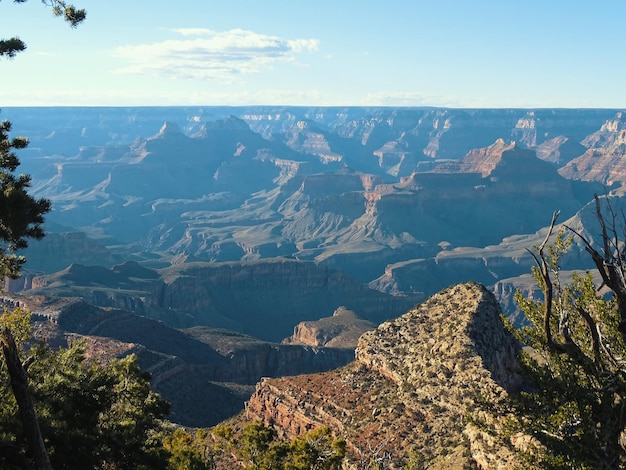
(609, 264)
(547, 287)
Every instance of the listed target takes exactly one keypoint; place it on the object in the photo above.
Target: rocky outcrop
(431, 384)
(520, 192)
(303, 137)
(342, 330)
(482, 160)
(560, 150)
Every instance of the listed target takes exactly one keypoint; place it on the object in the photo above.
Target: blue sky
(454, 53)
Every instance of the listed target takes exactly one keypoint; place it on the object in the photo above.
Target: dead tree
(610, 263)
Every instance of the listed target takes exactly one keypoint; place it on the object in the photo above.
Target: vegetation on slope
(576, 405)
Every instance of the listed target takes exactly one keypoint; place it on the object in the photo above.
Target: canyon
(273, 238)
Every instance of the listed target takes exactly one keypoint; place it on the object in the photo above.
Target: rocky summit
(427, 388)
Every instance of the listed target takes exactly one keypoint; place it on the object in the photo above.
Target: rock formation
(427, 387)
(604, 158)
(354, 189)
(342, 330)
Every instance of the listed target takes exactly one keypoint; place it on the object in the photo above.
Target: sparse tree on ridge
(576, 405)
(256, 447)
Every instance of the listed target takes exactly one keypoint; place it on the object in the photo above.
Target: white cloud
(207, 54)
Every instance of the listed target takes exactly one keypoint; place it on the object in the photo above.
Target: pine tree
(21, 217)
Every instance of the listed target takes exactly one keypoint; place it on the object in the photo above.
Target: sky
(444, 53)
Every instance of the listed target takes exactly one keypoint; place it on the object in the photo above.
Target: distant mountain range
(358, 189)
(256, 219)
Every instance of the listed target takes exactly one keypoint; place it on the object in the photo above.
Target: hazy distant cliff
(392, 197)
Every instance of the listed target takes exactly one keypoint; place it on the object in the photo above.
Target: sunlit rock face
(342, 330)
(415, 388)
(604, 159)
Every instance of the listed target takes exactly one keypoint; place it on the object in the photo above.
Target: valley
(221, 230)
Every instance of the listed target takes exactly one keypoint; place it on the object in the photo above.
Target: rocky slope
(427, 387)
(206, 374)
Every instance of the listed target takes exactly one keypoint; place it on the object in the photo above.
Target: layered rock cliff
(216, 183)
(428, 387)
(265, 298)
(342, 330)
(604, 158)
(356, 189)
